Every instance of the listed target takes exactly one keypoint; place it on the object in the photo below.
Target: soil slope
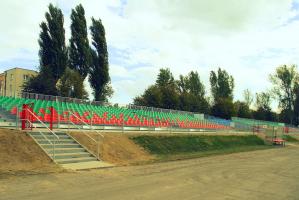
(20, 154)
(115, 148)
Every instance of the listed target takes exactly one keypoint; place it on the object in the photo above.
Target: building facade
(12, 81)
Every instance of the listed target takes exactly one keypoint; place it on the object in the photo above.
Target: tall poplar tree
(79, 50)
(222, 86)
(99, 72)
(52, 54)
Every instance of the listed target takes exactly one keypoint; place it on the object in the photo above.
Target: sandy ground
(266, 174)
(19, 154)
(115, 148)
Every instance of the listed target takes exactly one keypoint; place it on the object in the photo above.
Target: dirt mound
(115, 148)
(20, 154)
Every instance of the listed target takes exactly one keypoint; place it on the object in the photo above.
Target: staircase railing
(91, 128)
(44, 125)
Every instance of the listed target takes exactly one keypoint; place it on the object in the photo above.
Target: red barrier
(26, 116)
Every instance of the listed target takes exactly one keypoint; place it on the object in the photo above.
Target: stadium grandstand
(79, 111)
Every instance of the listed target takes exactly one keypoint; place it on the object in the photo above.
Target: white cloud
(247, 38)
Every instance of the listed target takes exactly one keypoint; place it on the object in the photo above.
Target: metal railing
(163, 110)
(91, 128)
(36, 96)
(44, 125)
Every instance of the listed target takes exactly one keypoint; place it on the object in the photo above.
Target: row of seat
(63, 112)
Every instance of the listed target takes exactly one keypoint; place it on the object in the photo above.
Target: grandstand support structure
(99, 135)
(27, 111)
(56, 112)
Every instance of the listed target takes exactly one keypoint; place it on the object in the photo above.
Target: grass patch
(167, 148)
(182, 156)
(170, 145)
(289, 138)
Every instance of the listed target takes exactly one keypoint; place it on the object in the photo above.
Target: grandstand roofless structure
(76, 111)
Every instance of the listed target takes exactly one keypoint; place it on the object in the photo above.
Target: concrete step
(48, 133)
(66, 150)
(50, 146)
(72, 155)
(50, 137)
(65, 141)
(75, 160)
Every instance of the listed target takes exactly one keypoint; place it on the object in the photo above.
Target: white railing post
(98, 134)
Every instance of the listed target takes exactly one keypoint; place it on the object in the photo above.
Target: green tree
(79, 50)
(163, 94)
(168, 89)
(52, 54)
(165, 77)
(296, 106)
(192, 93)
(151, 97)
(242, 109)
(284, 82)
(263, 104)
(99, 72)
(42, 83)
(222, 86)
(248, 97)
(223, 108)
(71, 85)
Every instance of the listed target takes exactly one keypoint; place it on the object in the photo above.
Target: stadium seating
(107, 115)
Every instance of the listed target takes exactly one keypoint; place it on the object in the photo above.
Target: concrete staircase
(67, 150)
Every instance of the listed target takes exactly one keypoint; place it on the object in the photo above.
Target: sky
(248, 39)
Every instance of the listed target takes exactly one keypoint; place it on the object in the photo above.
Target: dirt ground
(271, 174)
(115, 148)
(19, 154)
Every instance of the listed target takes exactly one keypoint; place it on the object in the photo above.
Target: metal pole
(123, 124)
(17, 117)
(68, 122)
(54, 149)
(98, 154)
(91, 120)
(58, 115)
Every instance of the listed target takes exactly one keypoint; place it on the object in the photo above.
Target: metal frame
(53, 133)
(91, 128)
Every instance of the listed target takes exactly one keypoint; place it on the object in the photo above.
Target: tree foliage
(52, 54)
(42, 83)
(192, 93)
(79, 50)
(248, 97)
(263, 104)
(242, 109)
(187, 93)
(284, 80)
(71, 85)
(99, 72)
(222, 86)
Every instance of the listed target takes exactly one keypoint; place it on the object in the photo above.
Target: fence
(35, 96)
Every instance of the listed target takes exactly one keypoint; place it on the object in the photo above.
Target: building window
(11, 77)
(25, 77)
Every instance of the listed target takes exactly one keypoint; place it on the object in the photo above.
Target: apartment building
(12, 81)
